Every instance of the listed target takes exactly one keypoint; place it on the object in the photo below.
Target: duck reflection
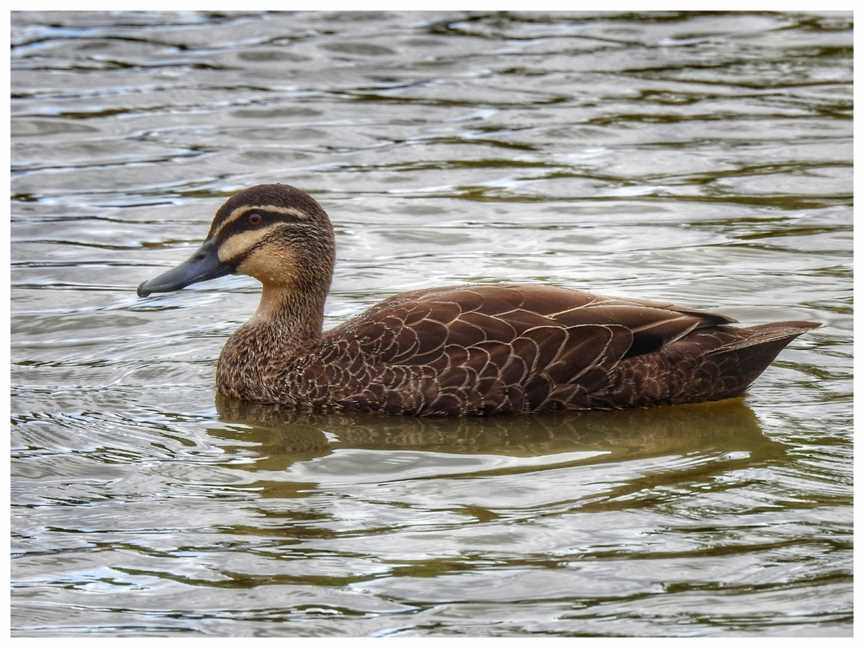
(280, 438)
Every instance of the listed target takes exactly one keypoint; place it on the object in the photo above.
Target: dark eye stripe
(242, 224)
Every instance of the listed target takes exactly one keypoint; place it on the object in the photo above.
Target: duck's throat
(297, 315)
(285, 328)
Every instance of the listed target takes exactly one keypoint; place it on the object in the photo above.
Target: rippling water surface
(704, 159)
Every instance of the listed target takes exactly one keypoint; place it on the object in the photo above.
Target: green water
(701, 158)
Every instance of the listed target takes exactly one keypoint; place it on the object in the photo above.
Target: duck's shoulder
(482, 299)
(469, 314)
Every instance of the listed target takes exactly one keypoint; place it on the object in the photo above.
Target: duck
(463, 350)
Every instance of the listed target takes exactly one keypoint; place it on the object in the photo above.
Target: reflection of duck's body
(286, 436)
(469, 350)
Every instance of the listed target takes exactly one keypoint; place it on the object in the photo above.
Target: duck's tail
(723, 361)
(777, 334)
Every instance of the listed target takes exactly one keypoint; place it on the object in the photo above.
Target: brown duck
(455, 351)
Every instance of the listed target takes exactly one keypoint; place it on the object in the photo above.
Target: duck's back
(477, 350)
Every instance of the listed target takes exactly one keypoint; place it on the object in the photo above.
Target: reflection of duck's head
(274, 233)
(722, 425)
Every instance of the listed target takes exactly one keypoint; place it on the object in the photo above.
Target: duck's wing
(482, 340)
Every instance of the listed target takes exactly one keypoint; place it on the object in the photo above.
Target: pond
(704, 159)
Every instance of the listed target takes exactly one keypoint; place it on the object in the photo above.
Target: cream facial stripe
(239, 212)
(242, 242)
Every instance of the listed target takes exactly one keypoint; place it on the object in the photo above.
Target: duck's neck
(285, 328)
(296, 315)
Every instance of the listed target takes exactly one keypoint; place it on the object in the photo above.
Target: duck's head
(275, 233)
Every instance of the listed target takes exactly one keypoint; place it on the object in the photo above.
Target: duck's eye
(254, 218)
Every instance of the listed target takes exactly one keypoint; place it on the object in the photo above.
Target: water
(704, 159)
